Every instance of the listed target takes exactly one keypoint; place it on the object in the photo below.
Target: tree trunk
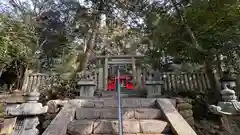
(215, 87)
(238, 86)
(186, 26)
(82, 65)
(207, 62)
(1, 71)
(219, 65)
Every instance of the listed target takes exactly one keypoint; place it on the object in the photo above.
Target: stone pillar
(86, 88)
(100, 78)
(105, 74)
(29, 111)
(134, 69)
(154, 88)
(139, 77)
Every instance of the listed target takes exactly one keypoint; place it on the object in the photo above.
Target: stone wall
(202, 127)
(184, 107)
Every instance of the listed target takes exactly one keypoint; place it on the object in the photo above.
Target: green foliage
(215, 25)
(59, 86)
(16, 40)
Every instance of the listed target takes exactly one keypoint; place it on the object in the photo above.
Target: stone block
(112, 113)
(186, 113)
(131, 103)
(126, 103)
(154, 126)
(183, 100)
(184, 106)
(109, 113)
(80, 127)
(78, 103)
(87, 113)
(105, 126)
(112, 127)
(110, 103)
(98, 103)
(128, 113)
(190, 121)
(147, 113)
(148, 102)
(131, 126)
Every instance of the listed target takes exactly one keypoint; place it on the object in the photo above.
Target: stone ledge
(59, 124)
(178, 125)
(103, 103)
(112, 113)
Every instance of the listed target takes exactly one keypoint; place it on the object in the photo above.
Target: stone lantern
(229, 109)
(154, 84)
(228, 81)
(229, 105)
(154, 88)
(27, 113)
(86, 88)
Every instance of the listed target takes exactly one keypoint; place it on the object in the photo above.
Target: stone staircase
(99, 116)
(137, 119)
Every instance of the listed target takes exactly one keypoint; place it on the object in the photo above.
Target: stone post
(154, 88)
(28, 115)
(86, 88)
(134, 69)
(105, 74)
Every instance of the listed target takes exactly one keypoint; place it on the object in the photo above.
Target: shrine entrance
(130, 74)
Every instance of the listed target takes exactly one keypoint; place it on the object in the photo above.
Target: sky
(103, 17)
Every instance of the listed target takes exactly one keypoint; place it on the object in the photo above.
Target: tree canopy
(193, 31)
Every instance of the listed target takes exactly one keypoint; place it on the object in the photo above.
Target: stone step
(112, 113)
(109, 102)
(107, 126)
(124, 93)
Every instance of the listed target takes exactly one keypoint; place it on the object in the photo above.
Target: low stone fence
(202, 127)
(184, 107)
